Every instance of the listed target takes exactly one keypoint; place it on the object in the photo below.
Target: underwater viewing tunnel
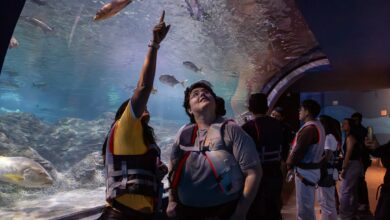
(63, 75)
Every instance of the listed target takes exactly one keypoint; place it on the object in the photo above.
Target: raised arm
(146, 78)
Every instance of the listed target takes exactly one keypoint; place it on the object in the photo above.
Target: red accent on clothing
(177, 174)
(215, 172)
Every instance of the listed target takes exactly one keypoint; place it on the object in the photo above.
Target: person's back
(288, 132)
(267, 134)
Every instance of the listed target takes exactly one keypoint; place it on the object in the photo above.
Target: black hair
(279, 110)
(331, 126)
(187, 92)
(258, 103)
(312, 107)
(220, 110)
(357, 115)
(353, 128)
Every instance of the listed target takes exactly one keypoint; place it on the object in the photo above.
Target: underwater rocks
(71, 147)
(62, 144)
(89, 171)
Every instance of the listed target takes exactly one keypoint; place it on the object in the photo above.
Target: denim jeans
(305, 194)
(327, 201)
(348, 190)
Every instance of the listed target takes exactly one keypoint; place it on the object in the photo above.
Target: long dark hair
(331, 126)
(118, 115)
(148, 133)
(353, 128)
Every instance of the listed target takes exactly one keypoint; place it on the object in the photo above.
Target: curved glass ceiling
(60, 86)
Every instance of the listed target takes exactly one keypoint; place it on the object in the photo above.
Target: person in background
(267, 133)
(382, 210)
(361, 133)
(221, 111)
(305, 158)
(132, 158)
(288, 131)
(329, 174)
(214, 167)
(351, 170)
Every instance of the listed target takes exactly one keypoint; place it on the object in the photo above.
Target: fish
(128, 87)
(76, 21)
(13, 43)
(291, 57)
(154, 91)
(38, 23)
(9, 84)
(196, 10)
(110, 9)
(171, 80)
(232, 75)
(39, 2)
(25, 172)
(11, 73)
(190, 65)
(7, 110)
(39, 84)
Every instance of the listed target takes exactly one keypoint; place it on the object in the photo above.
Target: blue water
(84, 69)
(91, 72)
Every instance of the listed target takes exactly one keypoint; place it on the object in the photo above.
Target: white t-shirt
(330, 142)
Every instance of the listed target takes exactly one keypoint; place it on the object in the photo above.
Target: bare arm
(251, 184)
(350, 144)
(328, 155)
(145, 83)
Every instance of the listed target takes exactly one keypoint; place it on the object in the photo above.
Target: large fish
(110, 9)
(24, 172)
(190, 65)
(171, 80)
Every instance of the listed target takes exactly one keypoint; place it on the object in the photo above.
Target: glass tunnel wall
(65, 75)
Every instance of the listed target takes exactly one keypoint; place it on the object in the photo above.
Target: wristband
(154, 45)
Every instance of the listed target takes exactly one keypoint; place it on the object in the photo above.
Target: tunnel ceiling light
(335, 102)
(384, 112)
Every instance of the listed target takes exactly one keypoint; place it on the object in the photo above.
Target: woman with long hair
(132, 158)
(329, 174)
(351, 170)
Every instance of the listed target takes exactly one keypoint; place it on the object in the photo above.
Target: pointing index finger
(162, 16)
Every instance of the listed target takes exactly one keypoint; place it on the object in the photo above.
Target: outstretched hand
(160, 30)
